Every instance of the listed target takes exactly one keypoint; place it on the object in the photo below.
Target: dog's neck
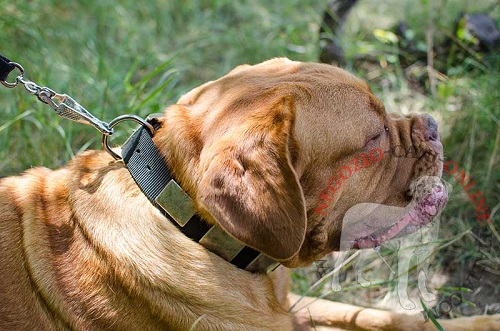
(154, 178)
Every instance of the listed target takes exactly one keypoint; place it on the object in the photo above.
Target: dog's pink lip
(436, 145)
(419, 216)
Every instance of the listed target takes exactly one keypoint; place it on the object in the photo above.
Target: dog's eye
(372, 140)
(375, 137)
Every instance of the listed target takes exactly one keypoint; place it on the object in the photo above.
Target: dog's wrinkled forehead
(337, 97)
(322, 95)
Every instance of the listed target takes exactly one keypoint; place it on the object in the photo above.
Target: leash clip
(65, 106)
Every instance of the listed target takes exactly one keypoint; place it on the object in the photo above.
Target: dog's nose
(433, 127)
(429, 127)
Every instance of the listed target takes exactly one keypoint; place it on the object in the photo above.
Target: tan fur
(81, 248)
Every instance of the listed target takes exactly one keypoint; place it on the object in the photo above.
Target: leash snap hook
(65, 106)
(118, 120)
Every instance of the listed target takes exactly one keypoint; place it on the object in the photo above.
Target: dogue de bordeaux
(92, 246)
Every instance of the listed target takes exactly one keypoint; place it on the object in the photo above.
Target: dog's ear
(248, 183)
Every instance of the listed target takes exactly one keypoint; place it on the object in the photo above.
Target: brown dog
(82, 248)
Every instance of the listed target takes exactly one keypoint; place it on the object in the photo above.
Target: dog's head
(263, 147)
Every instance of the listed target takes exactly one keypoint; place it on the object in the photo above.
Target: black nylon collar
(152, 175)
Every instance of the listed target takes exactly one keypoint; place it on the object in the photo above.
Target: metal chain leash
(63, 104)
(67, 107)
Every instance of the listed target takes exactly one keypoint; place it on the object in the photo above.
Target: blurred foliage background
(117, 57)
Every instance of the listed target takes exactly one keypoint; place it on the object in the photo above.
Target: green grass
(118, 57)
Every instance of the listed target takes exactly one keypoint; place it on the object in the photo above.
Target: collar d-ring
(118, 120)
